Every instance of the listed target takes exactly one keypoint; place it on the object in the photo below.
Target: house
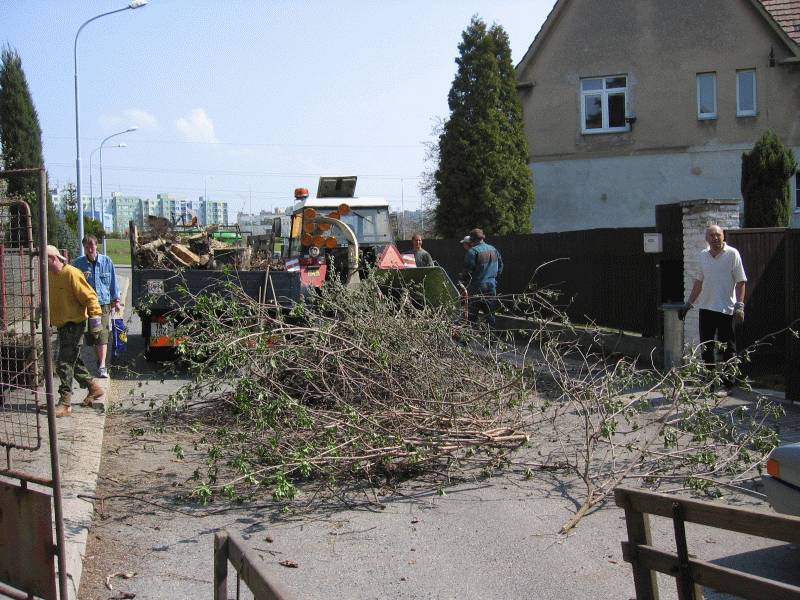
(633, 103)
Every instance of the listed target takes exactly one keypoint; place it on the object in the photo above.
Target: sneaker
(102, 373)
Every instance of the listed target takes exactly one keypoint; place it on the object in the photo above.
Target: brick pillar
(697, 216)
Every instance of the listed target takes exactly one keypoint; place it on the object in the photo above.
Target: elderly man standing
(102, 276)
(719, 288)
(482, 266)
(72, 300)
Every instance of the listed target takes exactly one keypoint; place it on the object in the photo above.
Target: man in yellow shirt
(72, 301)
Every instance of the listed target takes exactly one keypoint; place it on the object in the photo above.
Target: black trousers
(716, 326)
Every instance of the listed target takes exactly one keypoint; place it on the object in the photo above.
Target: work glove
(683, 310)
(95, 324)
(738, 313)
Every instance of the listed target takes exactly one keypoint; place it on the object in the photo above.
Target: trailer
(156, 292)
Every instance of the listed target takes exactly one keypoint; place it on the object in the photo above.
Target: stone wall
(697, 216)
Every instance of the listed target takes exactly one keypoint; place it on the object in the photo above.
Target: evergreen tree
(21, 138)
(765, 182)
(483, 179)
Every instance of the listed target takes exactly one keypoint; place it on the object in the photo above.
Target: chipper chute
(428, 286)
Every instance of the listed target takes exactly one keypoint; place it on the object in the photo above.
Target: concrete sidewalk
(80, 442)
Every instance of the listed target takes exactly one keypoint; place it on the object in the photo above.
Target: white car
(783, 482)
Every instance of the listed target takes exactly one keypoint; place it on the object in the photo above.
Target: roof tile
(787, 14)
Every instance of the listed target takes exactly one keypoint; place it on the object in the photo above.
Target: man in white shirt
(719, 288)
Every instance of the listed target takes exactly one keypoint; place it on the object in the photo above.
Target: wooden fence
(691, 573)
(249, 567)
(603, 274)
(606, 278)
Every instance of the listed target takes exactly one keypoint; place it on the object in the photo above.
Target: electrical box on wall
(653, 243)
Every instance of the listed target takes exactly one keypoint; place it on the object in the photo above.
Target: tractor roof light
(300, 193)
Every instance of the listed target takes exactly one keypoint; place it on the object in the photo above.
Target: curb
(80, 449)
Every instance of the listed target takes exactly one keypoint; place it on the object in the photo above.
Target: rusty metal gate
(27, 548)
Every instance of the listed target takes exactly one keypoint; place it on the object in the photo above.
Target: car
(782, 484)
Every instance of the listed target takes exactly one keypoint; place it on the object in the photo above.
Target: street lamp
(102, 198)
(91, 187)
(133, 5)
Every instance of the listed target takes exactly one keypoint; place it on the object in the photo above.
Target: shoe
(95, 392)
(63, 410)
(102, 373)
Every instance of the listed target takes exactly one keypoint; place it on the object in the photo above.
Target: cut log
(184, 256)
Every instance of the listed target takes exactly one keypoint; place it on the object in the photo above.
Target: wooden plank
(221, 565)
(792, 312)
(776, 527)
(644, 579)
(723, 579)
(250, 568)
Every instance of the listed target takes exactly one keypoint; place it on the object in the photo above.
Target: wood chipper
(338, 235)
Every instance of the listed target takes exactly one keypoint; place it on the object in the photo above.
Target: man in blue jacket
(102, 276)
(482, 266)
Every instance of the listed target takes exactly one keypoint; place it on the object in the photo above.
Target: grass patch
(119, 251)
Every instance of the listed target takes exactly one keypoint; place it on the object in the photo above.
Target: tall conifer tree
(766, 170)
(483, 179)
(21, 137)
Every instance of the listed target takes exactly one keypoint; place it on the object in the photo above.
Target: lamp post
(91, 187)
(102, 198)
(133, 5)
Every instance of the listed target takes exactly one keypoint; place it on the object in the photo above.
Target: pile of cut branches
(366, 385)
(351, 384)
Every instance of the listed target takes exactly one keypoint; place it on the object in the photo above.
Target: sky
(245, 100)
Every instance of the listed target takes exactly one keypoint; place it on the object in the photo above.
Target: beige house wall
(660, 45)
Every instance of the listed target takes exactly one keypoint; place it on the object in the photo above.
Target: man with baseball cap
(482, 266)
(72, 301)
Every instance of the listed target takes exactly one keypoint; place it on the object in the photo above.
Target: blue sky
(248, 99)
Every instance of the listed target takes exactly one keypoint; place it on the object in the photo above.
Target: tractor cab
(337, 234)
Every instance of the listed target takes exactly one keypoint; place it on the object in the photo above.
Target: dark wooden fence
(764, 256)
(603, 275)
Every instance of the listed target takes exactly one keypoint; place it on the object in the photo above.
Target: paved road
(484, 538)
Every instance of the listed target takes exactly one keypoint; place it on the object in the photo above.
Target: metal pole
(102, 198)
(47, 352)
(132, 5)
(91, 187)
(402, 211)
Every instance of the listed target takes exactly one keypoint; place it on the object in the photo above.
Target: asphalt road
(483, 538)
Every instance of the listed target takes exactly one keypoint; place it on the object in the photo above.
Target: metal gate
(27, 548)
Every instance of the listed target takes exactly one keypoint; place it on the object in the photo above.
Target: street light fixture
(91, 187)
(132, 6)
(102, 198)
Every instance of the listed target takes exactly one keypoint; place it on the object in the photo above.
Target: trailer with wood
(171, 266)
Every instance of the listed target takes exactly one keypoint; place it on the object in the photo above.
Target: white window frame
(739, 111)
(604, 94)
(701, 116)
